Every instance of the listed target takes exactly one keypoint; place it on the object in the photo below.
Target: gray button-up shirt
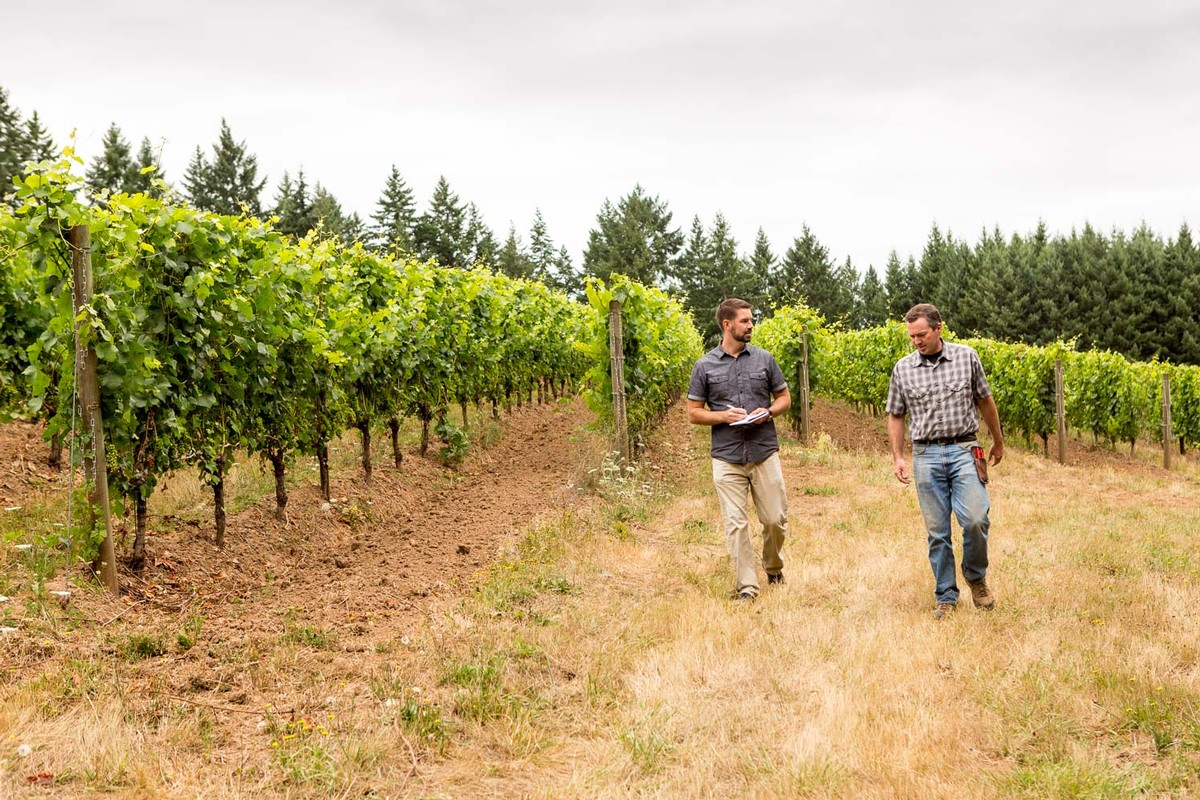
(939, 396)
(744, 381)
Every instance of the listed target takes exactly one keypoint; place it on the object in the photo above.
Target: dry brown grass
(601, 657)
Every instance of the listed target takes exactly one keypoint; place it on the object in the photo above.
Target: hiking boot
(746, 596)
(776, 578)
(942, 610)
(982, 595)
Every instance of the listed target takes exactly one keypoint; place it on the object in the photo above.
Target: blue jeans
(946, 481)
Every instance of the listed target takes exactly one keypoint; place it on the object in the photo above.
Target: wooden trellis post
(616, 349)
(1060, 410)
(95, 465)
(1166, 415)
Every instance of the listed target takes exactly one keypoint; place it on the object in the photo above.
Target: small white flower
(404, 640)
(416, 690)
(331, 700)
(262, 724)
(24, 751)
(390, 702)
(325, 506)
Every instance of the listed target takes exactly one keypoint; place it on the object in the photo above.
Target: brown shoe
(982, 595)
(942, 610)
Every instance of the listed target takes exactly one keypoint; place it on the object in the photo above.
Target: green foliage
(215, 333)
(660, 347)
(1105, 393)
(633, 238)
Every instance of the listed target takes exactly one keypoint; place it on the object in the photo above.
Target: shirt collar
(942, 356)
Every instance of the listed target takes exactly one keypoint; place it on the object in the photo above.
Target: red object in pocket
(980, 463)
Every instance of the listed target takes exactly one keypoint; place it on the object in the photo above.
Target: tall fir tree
(897, 286)
(1181, 330)
(512, 259)
(845, 293)
(480, 242)
(709, 271)
(39, 145)
(395, 215)
(14, 146)
(541, 249)
(806, 275)
(564, 277)
(195, 181)
(873, 301)
(229, 184)
(149, 173)
(762, 266)
(114, 169)
(440, 232)
(633, 238)
(294, 206)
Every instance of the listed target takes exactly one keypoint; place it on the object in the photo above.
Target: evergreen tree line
(1137, 294)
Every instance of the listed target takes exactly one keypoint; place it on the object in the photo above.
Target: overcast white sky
(869, 121)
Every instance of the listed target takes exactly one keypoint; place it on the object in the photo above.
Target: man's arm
(987, 408)
(895, 426)
(699, 415)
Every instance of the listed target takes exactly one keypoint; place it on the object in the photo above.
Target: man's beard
(744, 338)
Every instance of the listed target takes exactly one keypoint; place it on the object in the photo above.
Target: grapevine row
(217, 334)
(1106, 395)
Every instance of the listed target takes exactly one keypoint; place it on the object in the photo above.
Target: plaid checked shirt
(939, 396)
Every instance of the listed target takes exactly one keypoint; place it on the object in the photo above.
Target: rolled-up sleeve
(778, 382)
(698, 386)
(978, 379)
(896, 404)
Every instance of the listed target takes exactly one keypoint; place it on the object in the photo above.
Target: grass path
(1084, 682)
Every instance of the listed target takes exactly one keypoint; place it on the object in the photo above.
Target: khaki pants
(735, 484)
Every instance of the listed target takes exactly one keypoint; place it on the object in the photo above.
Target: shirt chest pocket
(756, 379)
(719, 387)
(920, 397)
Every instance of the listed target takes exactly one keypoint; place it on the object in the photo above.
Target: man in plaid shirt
(942, 389)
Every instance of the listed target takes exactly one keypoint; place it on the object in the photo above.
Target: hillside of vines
(217, 335)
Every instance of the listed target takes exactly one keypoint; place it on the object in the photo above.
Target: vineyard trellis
(1106, 395)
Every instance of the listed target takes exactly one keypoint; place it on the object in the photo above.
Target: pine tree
(541, 249)
(897, 285)
(294, 206)
(395, 215)
(633, 238)
(148, 173)
(709, 271)
(440, 232)
(845, 293)
(479, 241)
(512, 259)
(806, 276)
(39, 145)
(232, 182)
(873, 306)
(195, 181)
(113, 170)
(1181, 330)
(14, 146)
(762, 265)
(328, 212)
(564, 277)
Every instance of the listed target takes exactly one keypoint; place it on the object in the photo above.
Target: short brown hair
(926, 311)
(729, 309)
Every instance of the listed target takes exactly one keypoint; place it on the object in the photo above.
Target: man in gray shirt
(942, 389)
(744, 390)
